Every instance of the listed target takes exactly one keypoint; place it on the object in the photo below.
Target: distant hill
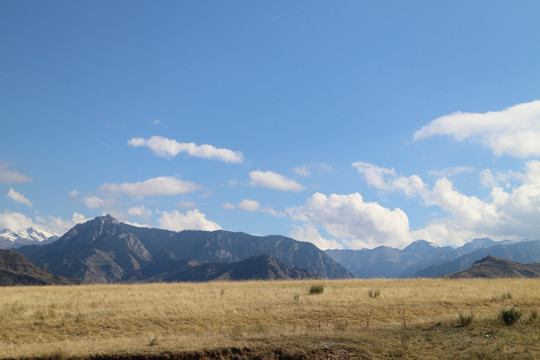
(388, 262)
(522, 252)
(493, 268)
(17, 269)
(260, 267)
(104, 250)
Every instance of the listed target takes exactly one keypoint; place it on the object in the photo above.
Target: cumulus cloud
(165, 147)
(191, 220)
(387, 179)
(74, 193)
(18, 197)
(11, 176)
(93, 202)
(273, 180)
(15, 221)
(141, 211)
(156, 186)
(513, 131)
(312, 235)
(353, 221)
(245, 204)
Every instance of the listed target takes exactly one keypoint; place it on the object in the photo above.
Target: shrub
(510, 316)
(465, 320)
(373, 293)
(534, 315)
(316, 289)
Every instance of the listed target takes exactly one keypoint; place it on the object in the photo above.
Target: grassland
(364, 319)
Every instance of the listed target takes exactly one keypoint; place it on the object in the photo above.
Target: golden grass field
(409, 319)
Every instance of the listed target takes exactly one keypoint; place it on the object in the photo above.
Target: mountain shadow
(17, 269)
(260, 267)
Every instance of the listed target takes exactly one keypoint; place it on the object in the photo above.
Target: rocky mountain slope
(104, 250)
(260, 267)
(17, 269)
(492, 267)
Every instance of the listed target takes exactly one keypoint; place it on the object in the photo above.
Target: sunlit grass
(408, 317)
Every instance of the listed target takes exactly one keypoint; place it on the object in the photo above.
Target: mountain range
(492, 267)
(104, 250)
(15, 239)
(424, 259)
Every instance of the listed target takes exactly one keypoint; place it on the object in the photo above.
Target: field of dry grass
(368, 319)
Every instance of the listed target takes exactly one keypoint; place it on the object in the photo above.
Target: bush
(316, 289)
(374, 293)
(465, 320)
(510, 316)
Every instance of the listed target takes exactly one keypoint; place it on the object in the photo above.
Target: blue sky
(350, 124)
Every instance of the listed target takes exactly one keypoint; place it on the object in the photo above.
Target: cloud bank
(165, 147)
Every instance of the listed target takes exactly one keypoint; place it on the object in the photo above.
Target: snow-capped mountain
(14, 239)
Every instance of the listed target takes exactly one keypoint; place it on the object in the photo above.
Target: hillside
(104, 250)
(261, 267)
(492, 267)
(522, 252)
(17, 269)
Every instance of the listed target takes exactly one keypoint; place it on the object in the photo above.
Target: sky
(349, 124)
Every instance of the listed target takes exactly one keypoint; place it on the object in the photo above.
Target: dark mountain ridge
(17, 269)
(105, 250)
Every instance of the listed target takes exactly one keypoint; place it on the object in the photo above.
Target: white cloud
(306, 170)
(273, 180)
(74, 193)
(513, 131)
(165, 147)
(156, 186)
(15, 221)
(191, 220)
(303, 171)
(353, 221)
(18, 197)
(156, 122)
(11, 176)
(60, 226)
(387, 179)
(312, 235)
(139, 211)
(245, 204)
(93, 202)
(448, 172)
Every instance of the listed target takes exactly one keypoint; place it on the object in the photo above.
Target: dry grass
(409, 319)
